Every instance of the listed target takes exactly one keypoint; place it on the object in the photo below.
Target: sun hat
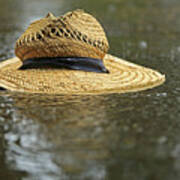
(68, 55)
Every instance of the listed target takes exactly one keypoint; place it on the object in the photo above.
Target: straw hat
(63, 55)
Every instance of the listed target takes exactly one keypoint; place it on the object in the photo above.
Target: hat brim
(123, 77)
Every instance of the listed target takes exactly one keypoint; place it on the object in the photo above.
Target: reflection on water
(132, 136)
(66, 142)
(80, 137)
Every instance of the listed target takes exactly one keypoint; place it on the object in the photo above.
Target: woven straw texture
(124, 77)
(75, 34)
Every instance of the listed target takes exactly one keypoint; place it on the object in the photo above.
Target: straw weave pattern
(124, 77)
(75, 34)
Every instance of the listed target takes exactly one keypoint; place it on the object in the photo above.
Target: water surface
(132, 136)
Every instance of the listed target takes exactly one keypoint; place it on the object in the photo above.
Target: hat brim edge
(11, 87)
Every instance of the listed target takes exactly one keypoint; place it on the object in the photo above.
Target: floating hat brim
(123, 77)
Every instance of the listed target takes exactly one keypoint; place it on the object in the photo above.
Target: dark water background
(106, 137)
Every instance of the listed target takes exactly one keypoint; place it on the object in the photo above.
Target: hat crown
(76, 34)
(50, 15)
